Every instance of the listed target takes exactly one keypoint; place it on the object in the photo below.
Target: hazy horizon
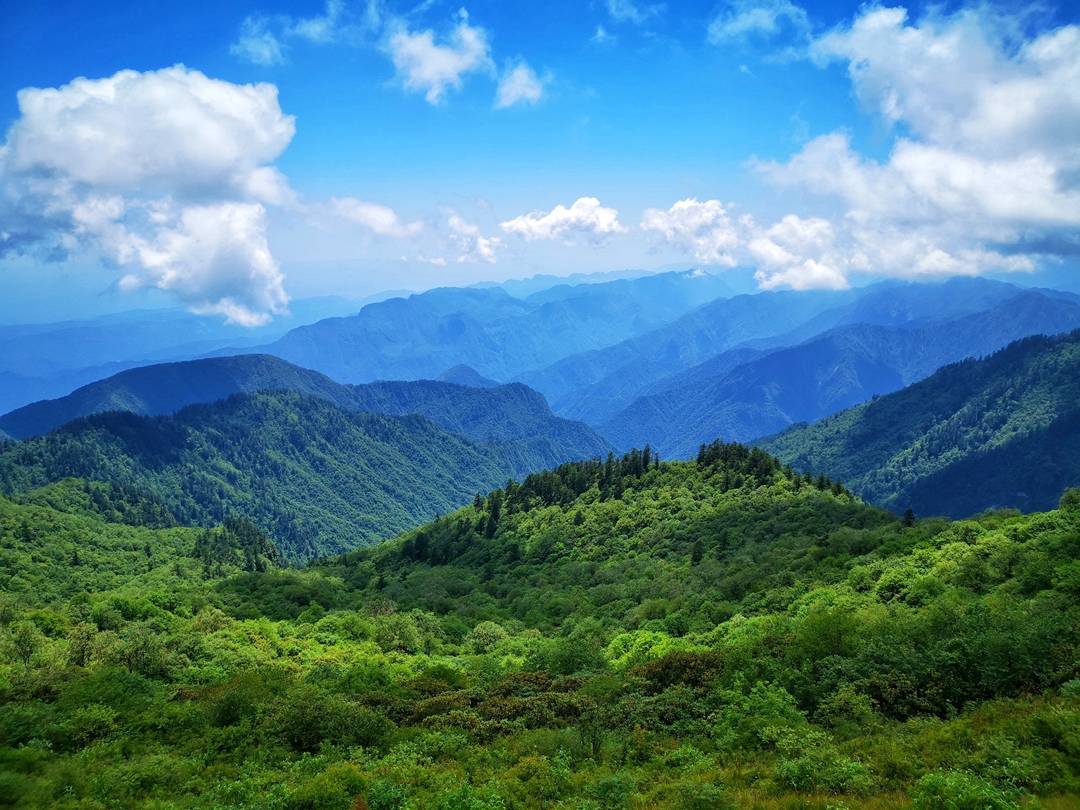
(231, 161)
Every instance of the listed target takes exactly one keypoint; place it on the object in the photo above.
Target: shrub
(385, 795)
(754, 719)
(336, 787)
(308, 717)
(84, 725)
(705, 796)
(485, 636)
(1070, 500)
(809, 762)
(958, 790)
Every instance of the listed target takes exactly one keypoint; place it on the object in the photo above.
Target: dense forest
(1003, 430)
(626, 633)
(316, 477)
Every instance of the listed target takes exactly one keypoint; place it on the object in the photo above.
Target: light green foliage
(712, 634)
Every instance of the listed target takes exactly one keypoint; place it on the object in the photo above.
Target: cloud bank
(165, 173)
(988, 160)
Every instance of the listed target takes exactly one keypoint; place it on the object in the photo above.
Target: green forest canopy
(715, 633)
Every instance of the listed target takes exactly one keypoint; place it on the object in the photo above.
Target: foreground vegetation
(629, 634)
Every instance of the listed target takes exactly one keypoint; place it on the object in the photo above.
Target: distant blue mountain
(462, 374)
(844, 366)
(41, 361)
(498, 335)
(596, 385)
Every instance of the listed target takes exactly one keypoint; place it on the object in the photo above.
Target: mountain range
(317, 477)
(835, 370)
(1003, 431)
(512, 415)
(738, 368)
(498, 335)
(42, 361)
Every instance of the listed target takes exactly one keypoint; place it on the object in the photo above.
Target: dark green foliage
(315, 478)
(1003, 431)
(515, 418)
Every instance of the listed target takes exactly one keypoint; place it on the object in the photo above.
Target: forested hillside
(720, 633)
(530, 435)
(165, 388)
(316, 477)
(999, 432)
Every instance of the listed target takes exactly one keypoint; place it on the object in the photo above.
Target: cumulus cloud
(518, 85)
(799, 253)
(702, 228)
(746, 19)
(586, 216)
(988, 154)
(379, 219)
(166, 173)
(471, 245)
(427, 66)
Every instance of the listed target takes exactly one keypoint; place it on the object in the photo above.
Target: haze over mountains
(40, 361)
(843, 367)
(671, 360)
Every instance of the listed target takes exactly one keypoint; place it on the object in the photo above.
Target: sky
(232, 157)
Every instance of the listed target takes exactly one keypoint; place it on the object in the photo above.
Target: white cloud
(257, 43)
(798, 252)
(424, 65)
(988, 156)
(170, 131)
(164, 172)
(744, 19)
(377, 218)
(471, 245)
(321, 28)
(703, 229)
(585, 216)
(214, 257)
(519, 85)
(632, 11)
(263, 39)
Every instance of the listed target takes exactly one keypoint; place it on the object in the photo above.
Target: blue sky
(636, 106)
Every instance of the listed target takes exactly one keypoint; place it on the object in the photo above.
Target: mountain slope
(165, 388)
(594, 385)
(314, 476)
(512, 415)
(462, 374)
(39, 361)
(486, 328)
(718, 633)
(997, 432)
(837, 370)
